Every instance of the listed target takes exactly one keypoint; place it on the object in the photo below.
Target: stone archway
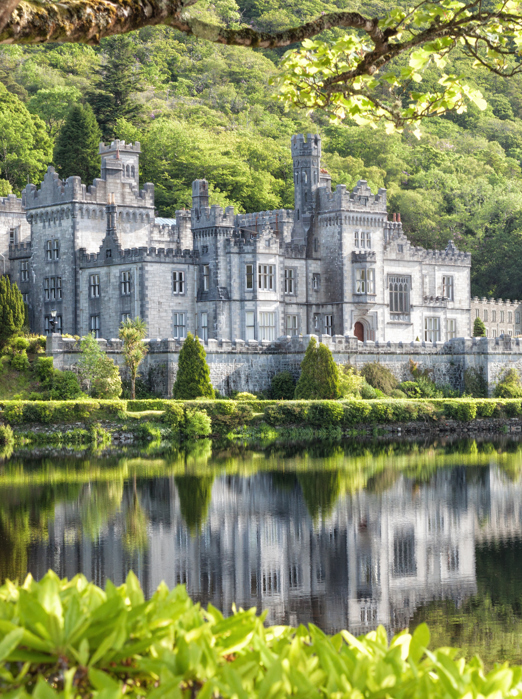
(358, 331)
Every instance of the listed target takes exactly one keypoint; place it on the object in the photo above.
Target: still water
(344, 536)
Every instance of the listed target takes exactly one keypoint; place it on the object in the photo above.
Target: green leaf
(10, 642)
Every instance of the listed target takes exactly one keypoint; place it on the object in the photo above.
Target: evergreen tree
(118, 78)
(76, 150)
(479, 329)
(319, 374)
(12, 310)
(193, 377)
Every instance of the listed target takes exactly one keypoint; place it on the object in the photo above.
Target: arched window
(399, 288)
(133, 171)
(128, 170)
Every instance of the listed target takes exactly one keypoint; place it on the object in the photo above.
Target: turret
(121, 157)
(199, 196)
(306, 155)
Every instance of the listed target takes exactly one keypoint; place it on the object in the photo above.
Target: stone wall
(250, 366)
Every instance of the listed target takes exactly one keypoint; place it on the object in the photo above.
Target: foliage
(132, 333)
(98, 370)
(479, 329)
(350, 381)
(6, 435)
(105, 640)
(53, 105)
(475, 383)
(193, 377)
(76, 149)
(368, 392)
(20, 361)
(197, 424)
(246, 396)
(12, 312)
(380, 377)
(65, 386)
(411, 389)
(509, 385)
(282, 386)
(319, 373)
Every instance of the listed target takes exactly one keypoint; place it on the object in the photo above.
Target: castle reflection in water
(373, 560)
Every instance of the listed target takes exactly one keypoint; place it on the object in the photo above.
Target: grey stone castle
(335, 265)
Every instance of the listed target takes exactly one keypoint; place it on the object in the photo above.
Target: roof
(165, 221)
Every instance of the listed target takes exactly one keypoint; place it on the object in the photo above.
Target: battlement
(121, 146)
(359, 199)
(306, 146)
(213, 217)
(505, 303)
(11, 204)
(20, 251)
(276, 219)
(141, 254)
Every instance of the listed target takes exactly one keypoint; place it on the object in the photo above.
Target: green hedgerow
(282, 386)
(193, 377)
(319, 377)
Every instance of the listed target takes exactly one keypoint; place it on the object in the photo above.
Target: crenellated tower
(306, 155)
(121, 157)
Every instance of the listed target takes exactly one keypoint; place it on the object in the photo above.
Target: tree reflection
(320, 491)
(194, 494)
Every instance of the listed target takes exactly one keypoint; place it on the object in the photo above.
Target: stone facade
(501, 317)
(335, 265)
(14, 230)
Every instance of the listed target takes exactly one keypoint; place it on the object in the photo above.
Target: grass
(15, 383)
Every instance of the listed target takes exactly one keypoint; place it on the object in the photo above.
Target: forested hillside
(205, 110)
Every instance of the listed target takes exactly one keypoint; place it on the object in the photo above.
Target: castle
(335, 265)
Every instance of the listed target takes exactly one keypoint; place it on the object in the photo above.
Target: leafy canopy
(98, 370)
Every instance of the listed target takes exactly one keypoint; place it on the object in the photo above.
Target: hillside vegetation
(205, 110)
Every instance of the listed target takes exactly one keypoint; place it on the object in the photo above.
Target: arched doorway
(358, 330)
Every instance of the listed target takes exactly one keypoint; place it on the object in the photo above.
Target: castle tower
(121, 156)
(199, 196)
(306, 155)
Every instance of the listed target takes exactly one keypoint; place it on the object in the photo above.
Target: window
(46, 289)
(400, 248)
(366, 241)
(250, 276)
(59, 288)
(451, 328)
(316, 321)
(266, 277)
(56, 249)
(510, 332)
(399, 288)
(517, 317)
(316, 245)
(486, 316)
(57, 325)
(95, 326)
(510, 317)
(178, 282)
(447, 287)
(432, 329)
(25, 298)
(206, 277)
(494, 333)
(94, 286)
(493, 316)
(24, 271)
(328, 324)
(12, 238)
(477, 312)
(179, 326)
(204, 249)
(364, 281)
(204, 327)
(316, 282)
(49, 250)
(250, 325)
(125, 317)
(356, 239)
(267, 326)
(501, 316)
(289, 281)
(125, 283)
(291, 325)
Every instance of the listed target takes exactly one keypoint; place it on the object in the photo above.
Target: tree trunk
(133, 387)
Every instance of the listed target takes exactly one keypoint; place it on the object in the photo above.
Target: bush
(356, 412)
(65, 386)
(325, 414)
(474, 383)
(463, 410)
(6, 435)
(479, 329)
(380, 377)
(174, 415)
(411, 389)
(398, 394)
(295, 413)
(509, 385)
(44, 370)
(37, 344)
(19, 344)
(20, 361)
(245, 396)
(197, 424)
(368, 392)
(282, 386)
(14, 412)
(319, 379)
(350, 381)
(142, 404)
(193, 377)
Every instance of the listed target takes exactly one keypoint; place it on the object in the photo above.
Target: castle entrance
(358, 330)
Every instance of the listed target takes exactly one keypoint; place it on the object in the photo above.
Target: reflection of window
(294, 575)
(95, 326)
(179, 326)
(404, 553)
(289, 281)
(452, 557)
(267, 326)
(447, 287)
(204, 326)
(328, 324)
(94, 286)
(364, 281)
(125, 283)
(432, 329)
(266, 277)
(250, 325)
(178, 282)
(250, 276)
(291, 325)
(399, 288)
(451, 330)
(271, 582)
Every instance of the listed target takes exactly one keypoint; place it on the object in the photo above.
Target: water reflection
(342, 541)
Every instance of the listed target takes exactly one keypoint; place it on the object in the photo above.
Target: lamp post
(52, 322)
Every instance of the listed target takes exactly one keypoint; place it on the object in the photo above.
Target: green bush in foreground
(193, 377)
(73, 640)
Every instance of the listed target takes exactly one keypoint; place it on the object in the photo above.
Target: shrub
(282, 386)
(197, 424)
(14, 412)
(350, 381)
(463, 410)
(132, 333)
(379, 376)
(226, 415)
(193, 377)
(147, 404)
(98, 370)
(319, 377)
(6, 435)
(174, 415)
(479, 329)
(356, 412)
(65, 386)
(325, 413)
(20, 361)
(475, 383)
(410, 388)
(509, 385)
(37, 344)
(398, 394)
(295, 413)
(19, 344)
(246, 396)
(12, 310)
(368, 392)
(512, 408)
(44, 370)
(485, 408)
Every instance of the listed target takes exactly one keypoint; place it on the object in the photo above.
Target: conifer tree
(479, 329)
(76, 150)
(193, 377)
(319, 374)
(12, 310)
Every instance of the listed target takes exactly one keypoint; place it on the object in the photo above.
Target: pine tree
(479, 329)
(319, 374)
(76, 150)
(117, 79)
(12, 310)
(193, 377)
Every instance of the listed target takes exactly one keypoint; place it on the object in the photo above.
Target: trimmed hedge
(62, 639)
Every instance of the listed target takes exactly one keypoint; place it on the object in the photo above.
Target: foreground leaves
(69, 639)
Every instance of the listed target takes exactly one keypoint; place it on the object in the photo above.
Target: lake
(350, 535)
